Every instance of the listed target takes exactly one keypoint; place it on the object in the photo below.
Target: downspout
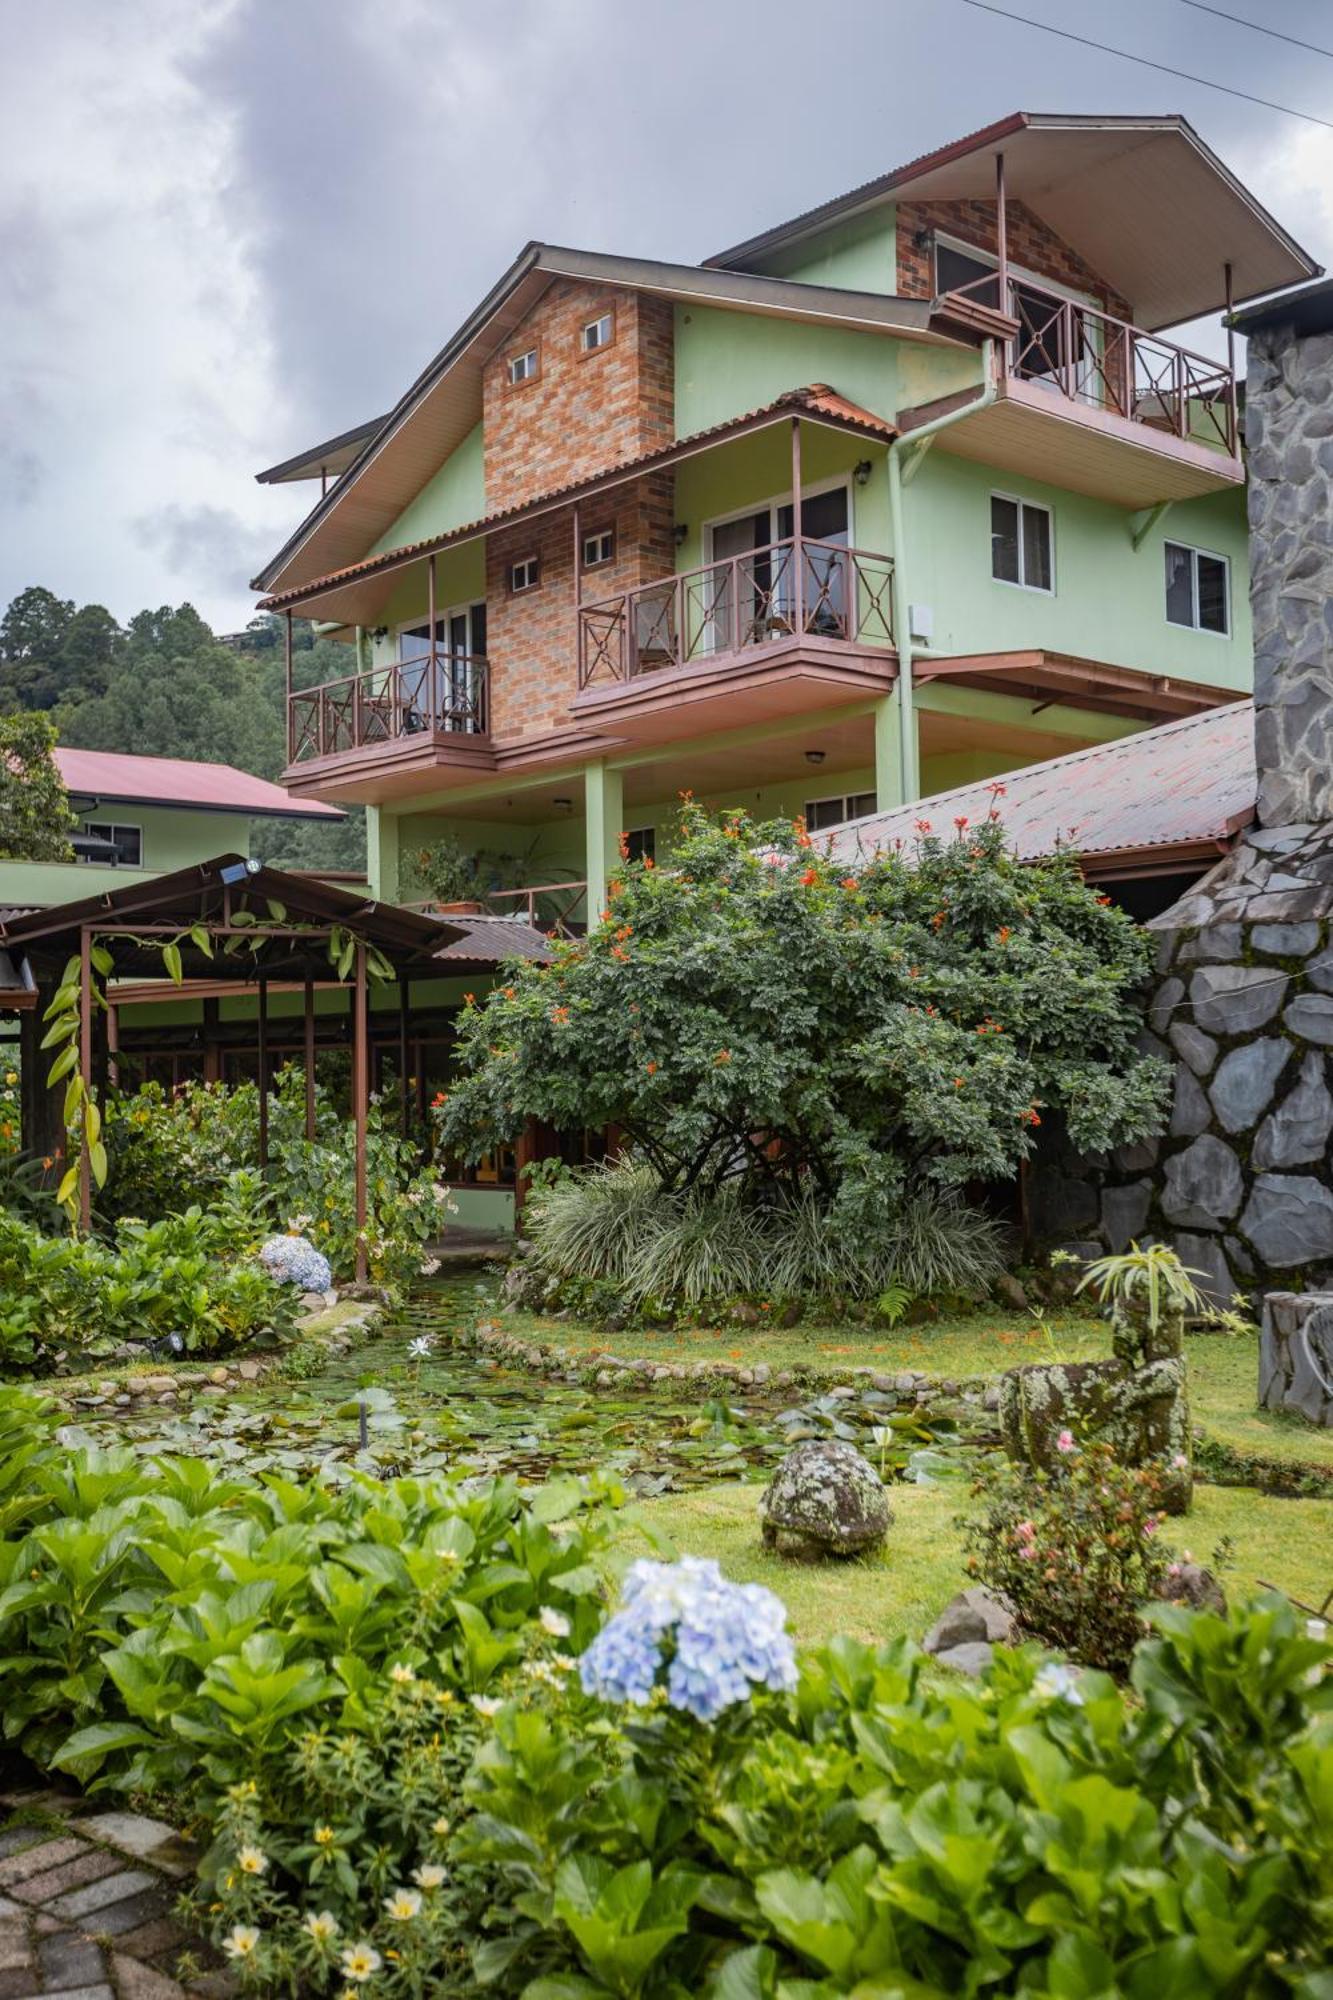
(919, 440)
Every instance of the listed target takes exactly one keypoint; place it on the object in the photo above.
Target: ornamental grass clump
(683, 1629)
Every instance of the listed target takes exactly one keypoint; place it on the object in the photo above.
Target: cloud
(209, 546)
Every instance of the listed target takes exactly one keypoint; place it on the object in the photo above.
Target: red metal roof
(817, 400)
(176, 781)
(1181, 784)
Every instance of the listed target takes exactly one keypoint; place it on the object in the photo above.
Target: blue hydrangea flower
(684, 1627)
(294, 1260)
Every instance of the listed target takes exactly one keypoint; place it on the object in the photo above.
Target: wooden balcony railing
(791, 589)
(433, 692)
(1106, 364)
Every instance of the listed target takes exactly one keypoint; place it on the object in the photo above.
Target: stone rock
(1167, 998)
(1288, 1219)
(1189, 1109)
(1236, 999)
(1137, 1156)
(1190, 1584)
(1319, 972)
(1285, 940)
(1204, 1184)
(1205, 1259)
(1010, 1292)
(1297, 1130)
(824, 1499)
(1194, 1047)
(249, 1371)
(972, 1658)
(1218, 942)
(1296, 1355)
(1310, 1016)
(971, 1617)
(1243, 1087)
(1125, 1212)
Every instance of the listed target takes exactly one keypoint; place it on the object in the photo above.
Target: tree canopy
(35, 819)
(756, 1011)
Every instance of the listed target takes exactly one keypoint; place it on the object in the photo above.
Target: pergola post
(404, 1046)
(309, 1057)
(360, 1102)
(263, 1074)
(112, 1043)
(86, 1073)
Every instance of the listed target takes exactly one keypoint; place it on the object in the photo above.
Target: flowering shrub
(685, 1629)
(1078, 1551)
(293, 1260)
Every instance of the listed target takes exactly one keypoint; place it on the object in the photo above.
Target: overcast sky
(229, 228)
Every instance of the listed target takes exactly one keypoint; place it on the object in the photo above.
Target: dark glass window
(1196, 589)
(1020, 542)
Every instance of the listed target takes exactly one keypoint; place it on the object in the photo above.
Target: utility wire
(1145, 62)
(1259, 28)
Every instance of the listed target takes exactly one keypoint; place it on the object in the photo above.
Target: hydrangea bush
(684, 1629)
(294, 1260)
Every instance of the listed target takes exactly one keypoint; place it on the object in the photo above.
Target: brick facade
(582, 411)
(531, 637)
(1031, 244)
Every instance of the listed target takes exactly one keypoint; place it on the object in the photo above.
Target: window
(641, 843)
(1020, 543)
(127, 841)
(523, 367)
(525, 575)
(821, 813)
(599, 548)
(598, 333)
(1196, 589)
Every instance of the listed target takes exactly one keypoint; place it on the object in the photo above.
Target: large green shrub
(755, 1014)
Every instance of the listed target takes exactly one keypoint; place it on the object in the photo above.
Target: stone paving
(87, 1905)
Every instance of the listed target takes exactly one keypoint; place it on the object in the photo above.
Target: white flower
(421, 1348)
(241, 1941)
(429, 1266)
(440, 1827)
(401, 1673)
(430, 1875)
(564, 1663)
(1059, 1683)
(486, 1704)
(360, 1961)
(450, 1556)
(252, 1861)
(322, 1925)
(403, 1905)
(554, 1622)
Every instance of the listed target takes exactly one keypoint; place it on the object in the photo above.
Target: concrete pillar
(604, 817)
(889, 754)
(382, 853)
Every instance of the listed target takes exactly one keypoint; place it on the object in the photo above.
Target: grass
(903, 1586)
(1223, 1377)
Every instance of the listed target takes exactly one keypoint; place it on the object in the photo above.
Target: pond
(387, 1410)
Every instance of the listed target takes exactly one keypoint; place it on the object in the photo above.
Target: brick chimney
(1289, 441)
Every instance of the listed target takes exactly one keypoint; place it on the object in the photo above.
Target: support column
(360, 1104)
(308, 1022)
(382, 854)
(86, 1072)
(604, 810)
(263, 1075)
(404, 1054)
(888, 754)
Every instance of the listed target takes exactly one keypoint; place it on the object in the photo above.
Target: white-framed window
(599, 332)
(1021, 543)
(599, 549)
(127, 841)
(1198, 592)
(522, 367)
(821, 813)
(525, 574)
(641, 843)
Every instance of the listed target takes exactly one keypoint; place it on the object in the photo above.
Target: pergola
(260, 926)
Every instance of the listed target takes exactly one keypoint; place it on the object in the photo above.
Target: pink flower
(1179, 1462)
(1150, 1526)
(1065, 1442)
(1173, 1569)
(1026, 1530)
(1028, 1552)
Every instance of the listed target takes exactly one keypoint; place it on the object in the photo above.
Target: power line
(1260, 29)
(1146, 62)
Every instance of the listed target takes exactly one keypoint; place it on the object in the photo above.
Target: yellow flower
(430, 1876)
(403, 1905)
(360, 1961)
(440, 1827)
(324, 1836)
(251, 1861)
(242, 1941)
(322, 1925)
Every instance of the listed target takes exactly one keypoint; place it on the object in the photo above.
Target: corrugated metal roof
(1182, 782)
(178, 781)
(816, 400)
(496, 938)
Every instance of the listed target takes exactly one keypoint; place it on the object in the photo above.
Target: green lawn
(904, 1585)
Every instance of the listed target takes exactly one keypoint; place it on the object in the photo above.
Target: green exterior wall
(173, 837)
(860, 255)
(452, 497)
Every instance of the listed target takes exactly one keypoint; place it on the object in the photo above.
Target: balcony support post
(287, 669)
(431, 667)
(1001, 244)
(1233, 423)
(798, 542)
(604, 811)
(383, 853)
(578, 595)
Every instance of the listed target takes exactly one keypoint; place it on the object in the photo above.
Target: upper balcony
(429, 708)
(1092, 403)
(774, 631)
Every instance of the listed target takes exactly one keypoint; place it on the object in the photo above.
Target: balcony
(792, 626)
(397, 720)
(1092, 403)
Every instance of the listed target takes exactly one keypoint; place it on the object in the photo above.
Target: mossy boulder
(825, 1499)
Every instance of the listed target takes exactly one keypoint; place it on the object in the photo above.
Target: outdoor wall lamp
(681, 530)
(861, 471)
(237, 871)
(563, 805)
(815, 756)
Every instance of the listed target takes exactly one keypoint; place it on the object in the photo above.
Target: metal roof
(1186, 785)
(497, 938)
(334, 455)
(1309, 309)
(113, 778)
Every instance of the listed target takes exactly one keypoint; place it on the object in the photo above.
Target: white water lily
(421, 1348)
